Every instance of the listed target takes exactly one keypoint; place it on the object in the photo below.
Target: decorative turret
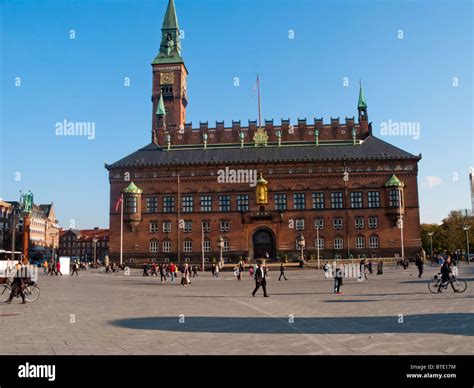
(133, 205)
(394, 195)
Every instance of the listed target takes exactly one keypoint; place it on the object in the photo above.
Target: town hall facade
(280, 190)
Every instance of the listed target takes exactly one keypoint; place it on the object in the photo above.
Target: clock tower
(169, 81)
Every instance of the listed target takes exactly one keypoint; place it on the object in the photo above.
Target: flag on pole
(119, 202)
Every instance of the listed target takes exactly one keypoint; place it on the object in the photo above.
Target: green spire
(171, 20)
(393, 181)
(160, 110)
(132, 189)
(170, 47)
(362, 103)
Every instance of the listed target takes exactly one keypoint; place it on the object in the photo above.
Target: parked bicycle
(458, 284)
(30, 290)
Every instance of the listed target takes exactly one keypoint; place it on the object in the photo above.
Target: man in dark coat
(419, 264)
(260, 280)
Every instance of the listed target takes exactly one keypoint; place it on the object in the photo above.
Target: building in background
(81, 244)
(5, 224)
(471, 184)
(193, 191)
(44, 230)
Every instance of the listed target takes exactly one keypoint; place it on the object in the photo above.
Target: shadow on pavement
(449, 323)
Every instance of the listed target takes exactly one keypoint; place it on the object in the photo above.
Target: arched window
(153, 245)
(187, 245)
(360, 242)
(319, 243)
(374, 241)
(338, 242)
(166, 245)
(226, 245)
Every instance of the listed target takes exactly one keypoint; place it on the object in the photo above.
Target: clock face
(167, 78)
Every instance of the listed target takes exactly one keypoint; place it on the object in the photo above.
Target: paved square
(98, 313)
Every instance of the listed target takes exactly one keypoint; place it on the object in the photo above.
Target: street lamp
(301, 246)
(94, 240)
(431, 245)
(466, 229)
(220, 244)
(317, 242)
(53, 236)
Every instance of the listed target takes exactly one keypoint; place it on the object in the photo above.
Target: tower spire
(170, 47)
(362, 104)
(170, 20)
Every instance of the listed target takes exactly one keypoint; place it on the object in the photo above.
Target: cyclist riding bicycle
(20, 282)
(446, 272)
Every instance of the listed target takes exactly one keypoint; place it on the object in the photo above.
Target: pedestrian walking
(419, 264)
(282, 271)
(380, 267)
(216, 271)
(145, 269)
(251, 271)
(45, 267)
(58, 269)
(75, 268)
(195, 271)
(370, 267)
(260, 280)
(326, 270)
(339, 275)
(172, 269)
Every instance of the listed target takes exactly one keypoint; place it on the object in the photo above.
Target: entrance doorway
(264, 242)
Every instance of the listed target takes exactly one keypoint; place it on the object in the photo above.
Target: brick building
(332, 183)
(5, 225)
(82, 244)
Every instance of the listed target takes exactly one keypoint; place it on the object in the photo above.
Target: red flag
(119, 202)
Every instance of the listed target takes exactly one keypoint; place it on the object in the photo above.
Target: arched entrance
(263, 241)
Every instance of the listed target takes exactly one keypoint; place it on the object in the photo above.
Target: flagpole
(121, 230)
(259, 115)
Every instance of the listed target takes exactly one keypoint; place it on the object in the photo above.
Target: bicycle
(31, 292)
(459, 284)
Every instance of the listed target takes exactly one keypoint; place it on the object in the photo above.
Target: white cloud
(432, 181)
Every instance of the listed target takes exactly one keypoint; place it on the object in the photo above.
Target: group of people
(52, 268)
(170, 271)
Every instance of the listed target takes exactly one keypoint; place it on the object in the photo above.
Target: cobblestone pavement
(98, 313)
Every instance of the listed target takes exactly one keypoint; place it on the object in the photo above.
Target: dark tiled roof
(371, 148)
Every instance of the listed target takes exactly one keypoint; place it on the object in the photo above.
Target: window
(206, 203)
(206, 226)
(224, 226)
(152, 204)
(374, 241)
(318, 200)
(154, 245)
(168, 204)
(373, 222)
(356, 200)
(360, 242)
(394, 198)
(187, 203)
(153, 227)
(243, 203)
(338, 243)
(337, 223)
(187, 226)
(167, 227)
(299, 201)
(166, 246)
(319, 223)
(319, 243)
(299, 224)
(207, 245)
(359, 222)
(280, 201)
(226, 247)
(187, 246)
(224, 203)
(336, 200)
(130, 204)
(374, 199)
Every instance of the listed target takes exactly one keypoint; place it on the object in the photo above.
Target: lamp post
(317, 242)
(301, 245)
(400, 220)
(53, 236)
(94, 240)
(431, 245)
(466, 229)
(220, 244)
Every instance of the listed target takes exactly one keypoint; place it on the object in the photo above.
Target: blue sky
(46, 77)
